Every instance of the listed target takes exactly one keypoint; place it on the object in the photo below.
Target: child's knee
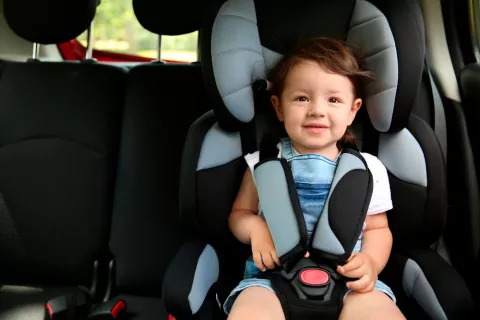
(257, 303)
(372, 305)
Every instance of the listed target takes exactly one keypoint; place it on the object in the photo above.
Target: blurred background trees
(116, 29)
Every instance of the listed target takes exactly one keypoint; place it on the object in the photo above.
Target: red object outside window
(74, 50)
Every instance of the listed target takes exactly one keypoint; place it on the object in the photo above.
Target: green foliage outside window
(117, 29)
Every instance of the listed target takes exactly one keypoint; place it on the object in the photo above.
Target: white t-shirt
(381, 200)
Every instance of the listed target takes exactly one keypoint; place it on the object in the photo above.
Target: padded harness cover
(342, 218)
(337, 231)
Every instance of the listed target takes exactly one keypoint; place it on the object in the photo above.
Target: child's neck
(331, 152)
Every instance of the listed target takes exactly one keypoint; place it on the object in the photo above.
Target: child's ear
(276, 105)
(357, 103)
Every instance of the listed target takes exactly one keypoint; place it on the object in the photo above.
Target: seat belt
(72, 306)
(440, 123)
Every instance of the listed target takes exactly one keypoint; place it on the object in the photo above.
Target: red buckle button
(117, 308)
(314, 277)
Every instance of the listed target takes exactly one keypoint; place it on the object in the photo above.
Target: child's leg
(257, 303)
(372, 305)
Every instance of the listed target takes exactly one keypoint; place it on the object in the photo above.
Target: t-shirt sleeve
(381, 197)
(252, 159)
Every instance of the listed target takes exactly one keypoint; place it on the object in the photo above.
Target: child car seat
(240, 44)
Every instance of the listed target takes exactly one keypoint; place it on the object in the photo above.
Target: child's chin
(320, 146)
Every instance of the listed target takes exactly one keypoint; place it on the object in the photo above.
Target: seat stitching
(244, 87)
(366, 21)
(55, 138)
(237, 16)
(239, 49)
(388, 89)
(376, 53)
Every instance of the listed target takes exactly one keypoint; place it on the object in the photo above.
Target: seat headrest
(171, 17)
(246, 38)
(50, 21)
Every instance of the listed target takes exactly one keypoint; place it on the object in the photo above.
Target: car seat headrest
(246, 38)
(170, 17)
(51, 21)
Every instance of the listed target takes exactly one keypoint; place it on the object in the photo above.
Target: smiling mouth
(315, 128)
(320, 126)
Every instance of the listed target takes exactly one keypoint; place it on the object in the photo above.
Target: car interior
(118, 170)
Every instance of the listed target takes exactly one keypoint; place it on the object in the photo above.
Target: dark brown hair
(335, 56)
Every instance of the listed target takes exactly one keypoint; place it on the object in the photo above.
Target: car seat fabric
(59, 144)
(241, 42)
(146, 196)
(60, 125)
(49, 22)
(255, 51)
(161, 102)
(60, 130)
(176, 18)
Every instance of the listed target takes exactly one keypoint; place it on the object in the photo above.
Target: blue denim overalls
(313, 176)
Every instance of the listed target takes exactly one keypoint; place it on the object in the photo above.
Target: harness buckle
(311, 281)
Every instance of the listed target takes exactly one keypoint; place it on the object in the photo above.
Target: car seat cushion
(235, 62)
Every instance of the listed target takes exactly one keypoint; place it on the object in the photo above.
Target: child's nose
(317, 109)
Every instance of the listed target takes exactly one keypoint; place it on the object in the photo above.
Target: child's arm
(377, 240)
(367, 264)
(244, 209)
(250, 228)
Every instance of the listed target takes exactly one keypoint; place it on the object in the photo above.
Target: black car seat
(246, 37)
(60, 130)
(161, 102)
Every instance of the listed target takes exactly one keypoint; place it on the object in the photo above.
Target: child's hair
(335, 56)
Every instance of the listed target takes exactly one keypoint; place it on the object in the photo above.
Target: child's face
(316, 107)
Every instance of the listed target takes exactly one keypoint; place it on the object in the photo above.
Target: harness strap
(345, 210)
(342, 217)
(282, 210)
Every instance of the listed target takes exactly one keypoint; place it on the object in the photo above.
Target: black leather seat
(161, 102)
(60, 130)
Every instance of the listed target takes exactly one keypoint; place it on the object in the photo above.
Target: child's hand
(360, 266)
(263, 249)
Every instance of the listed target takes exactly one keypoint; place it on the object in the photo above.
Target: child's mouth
(315, 128)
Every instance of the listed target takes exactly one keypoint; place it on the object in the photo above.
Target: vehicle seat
(60, 130)
(161, 102)
(246, 37)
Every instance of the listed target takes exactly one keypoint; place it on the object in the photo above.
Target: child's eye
(334, 100)
(301, 99)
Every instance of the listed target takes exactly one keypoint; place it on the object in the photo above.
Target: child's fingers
(275, 258)
(361, 284)
(268, 260)
(353, 264)
(257, 258)
(368, 288)
(355, 273)
(307, 254)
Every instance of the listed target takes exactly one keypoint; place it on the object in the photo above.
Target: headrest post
(199, 43)
(89, 51)
(159, 48)
(36, 51)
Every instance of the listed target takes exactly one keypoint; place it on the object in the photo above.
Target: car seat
(241, 43)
